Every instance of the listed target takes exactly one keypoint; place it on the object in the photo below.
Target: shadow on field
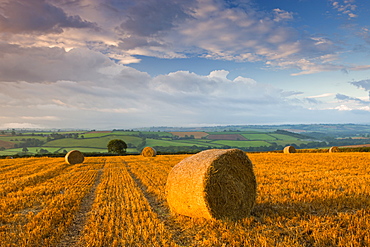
(316, 207)
(162, 211)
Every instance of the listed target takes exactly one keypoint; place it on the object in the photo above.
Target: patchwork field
(317, 199)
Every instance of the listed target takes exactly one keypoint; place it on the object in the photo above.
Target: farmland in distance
(170, 141)
(304, 199)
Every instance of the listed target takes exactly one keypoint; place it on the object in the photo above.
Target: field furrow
(74, 231)
(121, 215)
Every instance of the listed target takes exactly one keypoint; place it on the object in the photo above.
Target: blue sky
(104, 64)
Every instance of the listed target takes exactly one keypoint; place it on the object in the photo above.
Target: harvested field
(356, 146)
(6, 144)
(305, 199)
(196, 134)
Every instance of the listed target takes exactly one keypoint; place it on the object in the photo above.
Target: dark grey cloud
(42, 64)
(364, 84)
(136, 41)
(37, 16)
(343, 97)
(312, 101)
(147, 18)
(349, 98)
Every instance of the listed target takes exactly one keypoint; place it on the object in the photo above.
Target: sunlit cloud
(345, 7)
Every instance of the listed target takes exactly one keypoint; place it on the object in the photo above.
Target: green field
(163, 143)
(259, 137)
(92, 142)
(242, 144)
(96, 141)
(284, 137)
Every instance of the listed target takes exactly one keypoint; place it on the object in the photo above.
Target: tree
(25, 149)
(117, 146)
(43, 151)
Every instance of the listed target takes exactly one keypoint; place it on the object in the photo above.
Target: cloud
(358, 101)
(364, 84)
(148, 18)
(321, 95)
(345, 7)
(282, 15)
(37, 16)
(214, 29)
(117, 96)
(21, 126)
(42, 64)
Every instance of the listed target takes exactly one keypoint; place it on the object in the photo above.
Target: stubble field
(304, 199)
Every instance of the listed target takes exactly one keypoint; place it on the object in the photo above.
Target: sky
(122, 64)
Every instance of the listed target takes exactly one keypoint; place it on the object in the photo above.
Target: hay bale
(333, 149)
(74, 157)
(213, 184)
(148, 152)
(289, 150)
(8, 157)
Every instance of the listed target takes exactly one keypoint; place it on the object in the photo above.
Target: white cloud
(282, 15)
(345, 7)
(321, 95)
(40, 118)
(343, 108)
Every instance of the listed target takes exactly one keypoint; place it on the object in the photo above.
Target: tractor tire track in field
(162, 211)
(73, 234)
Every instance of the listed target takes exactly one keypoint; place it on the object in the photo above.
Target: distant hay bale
(333, 149)
(8, 157)
(213, 184)
(148, 152)
(289, 150)
(74, 157)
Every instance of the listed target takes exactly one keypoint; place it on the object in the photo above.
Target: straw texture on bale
(148, 152)
(333, 149)
(289, 150)
(213, 184)
(74, 157)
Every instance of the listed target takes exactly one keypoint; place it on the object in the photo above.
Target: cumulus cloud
(116, 95)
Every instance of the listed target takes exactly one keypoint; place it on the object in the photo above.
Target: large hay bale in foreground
(74, 157)
(333, 149)
(148, 152)
(289, 150)
(213, 184)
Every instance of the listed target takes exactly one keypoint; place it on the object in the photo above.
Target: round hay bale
(74, 157)
(148, 152)
(213, 184)
(8, 157)
(333, 149)
(289, 150)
